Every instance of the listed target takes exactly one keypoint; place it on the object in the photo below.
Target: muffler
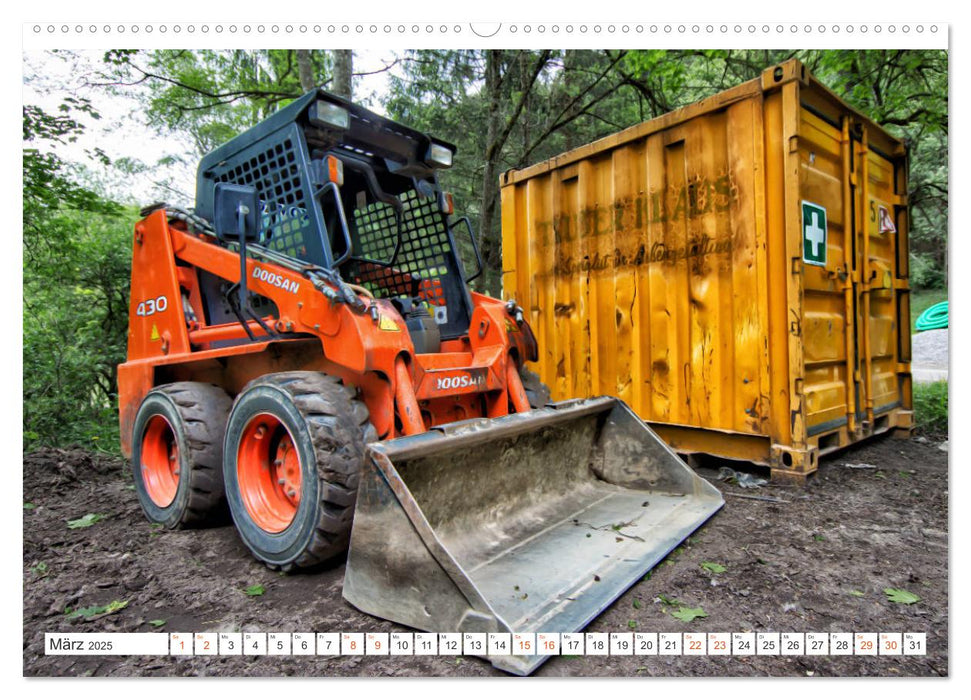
(533, 522)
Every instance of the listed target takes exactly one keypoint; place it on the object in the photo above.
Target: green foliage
(713, 567)
(898, 595)
(665, 600)
(75, 330)
(85, 521)
(255, 590)
(688, 614)
(96, 610)
(926, 272)
(214, 95)
(930, 407)
(77, 258)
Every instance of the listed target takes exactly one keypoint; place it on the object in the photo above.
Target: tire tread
(203, 409)
(340, 428)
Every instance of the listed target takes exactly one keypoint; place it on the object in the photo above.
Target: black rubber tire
(197, 413)
(330, 429)
(537, 392)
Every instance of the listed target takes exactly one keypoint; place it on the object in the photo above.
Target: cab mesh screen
(423, 258)
(274, 167)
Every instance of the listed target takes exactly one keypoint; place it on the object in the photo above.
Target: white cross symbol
(816, 234)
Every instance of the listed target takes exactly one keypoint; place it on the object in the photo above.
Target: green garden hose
(933, 318)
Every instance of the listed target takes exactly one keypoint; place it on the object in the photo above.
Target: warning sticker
(885, 221)
(388, 324)
(154, 335)
(813, 234)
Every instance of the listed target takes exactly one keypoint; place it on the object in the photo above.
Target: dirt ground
(816, 559)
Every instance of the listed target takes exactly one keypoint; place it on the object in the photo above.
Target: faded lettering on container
(700, 197)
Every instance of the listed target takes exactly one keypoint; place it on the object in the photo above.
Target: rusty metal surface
(530, 522)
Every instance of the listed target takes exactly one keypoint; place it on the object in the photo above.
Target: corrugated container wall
(736, 271)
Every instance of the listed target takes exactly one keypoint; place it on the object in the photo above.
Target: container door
(881, 282)
(828, 262)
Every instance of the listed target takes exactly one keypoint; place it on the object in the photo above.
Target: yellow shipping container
(737, 271)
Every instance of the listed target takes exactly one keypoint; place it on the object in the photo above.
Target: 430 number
(152, 306)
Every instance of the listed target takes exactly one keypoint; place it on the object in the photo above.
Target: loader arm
(370, 349)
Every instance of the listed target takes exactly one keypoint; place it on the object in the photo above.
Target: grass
(930, 407)
(921, 300)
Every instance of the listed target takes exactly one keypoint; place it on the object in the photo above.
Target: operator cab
(346, 189)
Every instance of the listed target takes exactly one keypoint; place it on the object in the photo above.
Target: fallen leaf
(899, 595)
(713, 567)
(97, 610)
(688, 614)
(87, 521)
(258, 589)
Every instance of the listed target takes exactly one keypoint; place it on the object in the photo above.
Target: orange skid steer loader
(304, 348)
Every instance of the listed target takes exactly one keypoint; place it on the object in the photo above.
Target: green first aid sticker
(813, 234)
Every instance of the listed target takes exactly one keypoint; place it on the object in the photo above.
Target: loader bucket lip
(483, 430)
(413, 563)
(160, 461)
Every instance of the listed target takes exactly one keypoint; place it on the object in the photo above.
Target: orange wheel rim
(160, 461)
(268, 469)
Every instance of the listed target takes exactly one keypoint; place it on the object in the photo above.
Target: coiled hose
(933, 318)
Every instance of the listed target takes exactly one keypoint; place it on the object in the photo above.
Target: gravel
(929, 349)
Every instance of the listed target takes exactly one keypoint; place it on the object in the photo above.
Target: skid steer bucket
(533, 522)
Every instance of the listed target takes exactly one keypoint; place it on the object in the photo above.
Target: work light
(439, 155)
(329, 116)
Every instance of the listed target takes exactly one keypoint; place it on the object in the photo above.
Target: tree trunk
(307, 80)
(571, 62)
(489, 243)
(343, 70)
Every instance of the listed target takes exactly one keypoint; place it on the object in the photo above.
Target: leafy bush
(75, 333)
(925, 273)
(930, 407)
(76, 263)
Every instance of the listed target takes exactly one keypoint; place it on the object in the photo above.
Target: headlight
(439, 155)
(329, 116)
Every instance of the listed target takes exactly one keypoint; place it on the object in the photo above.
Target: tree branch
(500, 140)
